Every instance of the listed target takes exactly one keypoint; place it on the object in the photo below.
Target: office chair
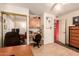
(11, 39)
(37, 40)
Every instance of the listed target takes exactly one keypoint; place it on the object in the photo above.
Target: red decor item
(56, 32)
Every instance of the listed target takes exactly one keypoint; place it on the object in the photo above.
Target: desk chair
(37, 40)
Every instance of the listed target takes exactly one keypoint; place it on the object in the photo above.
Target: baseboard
(58, 42)
(67, 46)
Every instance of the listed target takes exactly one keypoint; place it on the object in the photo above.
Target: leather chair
(37, 40)
(11, 39)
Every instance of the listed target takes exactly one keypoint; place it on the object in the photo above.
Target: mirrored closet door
(14, 29)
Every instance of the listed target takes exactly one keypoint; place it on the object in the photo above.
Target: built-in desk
(22, 50)
(31, 37)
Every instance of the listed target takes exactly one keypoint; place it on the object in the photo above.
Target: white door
(62, 31)
(48, 28)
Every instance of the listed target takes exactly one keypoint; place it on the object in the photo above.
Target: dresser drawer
(74, 31)
(74, 38)
(74, 27)
(74, 34)
(74, 43)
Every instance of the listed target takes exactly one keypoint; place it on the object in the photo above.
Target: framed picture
(48, 22)
(76, 20)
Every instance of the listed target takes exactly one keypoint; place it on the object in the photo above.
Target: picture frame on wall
(76, 20)
(5, 26)
(48, 22)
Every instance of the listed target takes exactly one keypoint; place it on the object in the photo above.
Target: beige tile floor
(53, 50)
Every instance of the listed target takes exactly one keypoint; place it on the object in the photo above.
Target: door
(62, 31)
(56, 31)
(14, 22)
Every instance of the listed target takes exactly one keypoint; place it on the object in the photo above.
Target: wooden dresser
(74, 36)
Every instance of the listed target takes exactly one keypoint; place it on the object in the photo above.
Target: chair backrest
(38, 37)
(11, 39)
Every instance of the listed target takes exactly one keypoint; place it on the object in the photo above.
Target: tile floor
(53, 50)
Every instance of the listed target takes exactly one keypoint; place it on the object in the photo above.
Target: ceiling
(54, 8)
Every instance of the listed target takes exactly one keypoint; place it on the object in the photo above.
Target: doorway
(60, 31)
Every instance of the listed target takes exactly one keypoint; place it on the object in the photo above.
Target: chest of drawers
(74, 36)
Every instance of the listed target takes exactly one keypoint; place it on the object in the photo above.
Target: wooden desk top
(22, 50)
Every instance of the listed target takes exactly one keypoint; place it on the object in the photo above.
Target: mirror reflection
(14, 28)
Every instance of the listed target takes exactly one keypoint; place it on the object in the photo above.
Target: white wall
(48, 33)
(69, 22)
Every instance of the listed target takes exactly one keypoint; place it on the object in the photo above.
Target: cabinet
(74, 36)
(34, 22)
